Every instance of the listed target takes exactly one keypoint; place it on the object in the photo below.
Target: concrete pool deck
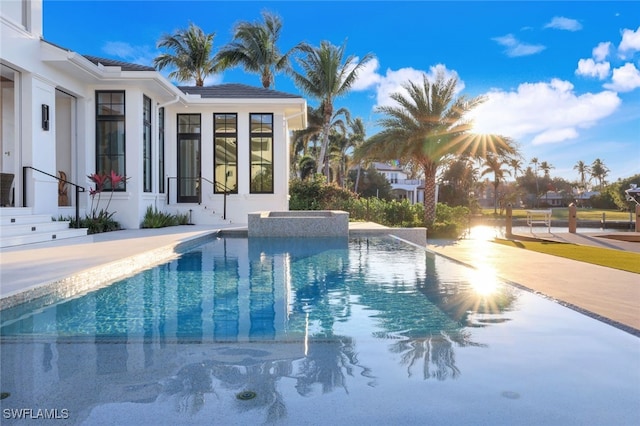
(608, 294)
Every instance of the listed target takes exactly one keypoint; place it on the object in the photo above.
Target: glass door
(189, 158)
(188, 170)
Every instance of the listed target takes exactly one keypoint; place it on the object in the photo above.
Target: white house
(402, 187)
(217, 152)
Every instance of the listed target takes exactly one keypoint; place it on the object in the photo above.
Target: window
(110, 135)
(225, 154)
(261, 154)
(161, 151)
(146, 144)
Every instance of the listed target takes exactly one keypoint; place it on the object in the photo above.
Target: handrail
(225, 188)
(79, 189)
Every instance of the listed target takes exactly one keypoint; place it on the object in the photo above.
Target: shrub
(156, 219)
(101, 222)
(450, 222)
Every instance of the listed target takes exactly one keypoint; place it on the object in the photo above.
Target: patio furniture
(542, 217)
(6, 182)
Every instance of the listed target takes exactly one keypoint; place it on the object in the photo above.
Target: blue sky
(561, 78)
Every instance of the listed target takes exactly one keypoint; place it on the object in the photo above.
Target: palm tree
(357, 135)
(315, 125)
(344, 141)
(325, 78)
(535, 163)
(428, 126)
(191, 54)
(303, 141)
(583, 169)
(254, 47)
(599, 171)
(516, 166)
(546, 168)
(494, 164)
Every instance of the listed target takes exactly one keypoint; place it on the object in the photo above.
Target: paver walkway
(603, 292)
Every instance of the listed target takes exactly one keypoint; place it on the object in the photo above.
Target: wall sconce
(45, 117)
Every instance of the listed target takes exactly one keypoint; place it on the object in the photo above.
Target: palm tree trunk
(323, 149)
(355, 188)
(429, 193)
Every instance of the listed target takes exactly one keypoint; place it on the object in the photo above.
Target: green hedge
(316, 194)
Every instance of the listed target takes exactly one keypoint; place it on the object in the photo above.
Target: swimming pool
(315, 331)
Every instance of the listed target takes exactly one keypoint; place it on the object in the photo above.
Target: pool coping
(102, 275)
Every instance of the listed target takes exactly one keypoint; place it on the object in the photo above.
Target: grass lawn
(616, 259)
(563, 213)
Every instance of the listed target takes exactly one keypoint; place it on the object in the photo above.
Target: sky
(562, 79)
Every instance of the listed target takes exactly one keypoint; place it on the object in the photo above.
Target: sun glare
(484, 281)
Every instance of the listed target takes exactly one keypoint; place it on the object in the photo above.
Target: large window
(225, 156)
(261, 154)
(110, 134)
(161, 151)
(189, 158)
(146, 144)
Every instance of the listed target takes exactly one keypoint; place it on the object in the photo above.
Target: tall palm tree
(599, 171)
(494, 164)
(254, 47)
(428, 126)
(583, 170)
(303, 141)
(315, 125)
(546, 169)
(191, 57)
(357, 134)
(535, 163)
(326, 77)
(516, 165)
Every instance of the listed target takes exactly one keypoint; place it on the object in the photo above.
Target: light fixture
(45, 117)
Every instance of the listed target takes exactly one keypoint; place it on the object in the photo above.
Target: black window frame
(261, 135)
(222, 188)
(161, 140)
(147, 155)
(103, 118)
(192, 198)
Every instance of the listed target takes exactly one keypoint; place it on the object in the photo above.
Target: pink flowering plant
(101, 220)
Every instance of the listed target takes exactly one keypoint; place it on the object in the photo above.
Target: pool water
(315, 331)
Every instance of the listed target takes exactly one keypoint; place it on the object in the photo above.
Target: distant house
(207, 151)
(401, 187)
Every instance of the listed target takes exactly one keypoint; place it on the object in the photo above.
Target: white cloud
(590, 68)
(515, 47)
(545, 112)
(393, 81)
(142, 55)
(555, 135)
(367, 75)
(625, 79)
(601, 51)
(630, 42)
(562, 23)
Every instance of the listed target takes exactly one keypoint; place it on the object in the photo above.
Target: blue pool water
(315, 331)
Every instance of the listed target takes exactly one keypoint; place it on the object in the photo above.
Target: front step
(19, 226)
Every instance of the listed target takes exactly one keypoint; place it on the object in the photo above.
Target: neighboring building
(401, 187)
(181, 148)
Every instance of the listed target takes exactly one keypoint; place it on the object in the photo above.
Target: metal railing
(218, 185)
(78, 188)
